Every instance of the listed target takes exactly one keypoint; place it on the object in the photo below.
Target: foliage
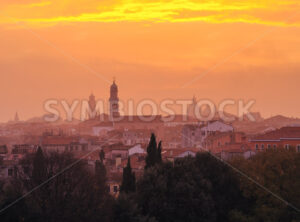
(192, 189)
(128, 182)
(279, 172)
(153, 153)
(200, 188)
(60, 188)
(127, 210)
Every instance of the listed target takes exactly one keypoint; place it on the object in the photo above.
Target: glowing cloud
(211, 11)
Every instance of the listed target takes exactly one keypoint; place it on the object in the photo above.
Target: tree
(190, 189)
(153, 153)
(100, 174)
(39, 167)
(68, 191)
(128, 182)
(127, 210)
(279, 172)
(15, 212)
(225, 189)
(176, 192)
(101, 155)
(101, 189)
(158, 154)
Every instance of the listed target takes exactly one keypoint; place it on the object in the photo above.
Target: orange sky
(52, 49)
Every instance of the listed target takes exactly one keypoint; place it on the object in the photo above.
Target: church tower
(92, 105)
(114, 101)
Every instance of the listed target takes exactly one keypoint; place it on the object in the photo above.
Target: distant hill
(279, 121)
(265, 125)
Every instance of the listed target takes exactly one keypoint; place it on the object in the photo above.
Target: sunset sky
(216, 49)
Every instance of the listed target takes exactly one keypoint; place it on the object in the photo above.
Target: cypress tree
(102, 155)
(158, 154)
(128, 182)
(100, 174)
(39, 171)
(153, 152)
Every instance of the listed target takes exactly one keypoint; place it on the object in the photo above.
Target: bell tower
(114, 100)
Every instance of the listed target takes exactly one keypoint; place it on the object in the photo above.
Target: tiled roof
(117, 146)
(280, 134)
(169, 153)
(136, 161)
(235, 147)
(58, 140)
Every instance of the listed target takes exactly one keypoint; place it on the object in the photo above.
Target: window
(298, 148)
(115, 189)
(274, 146)
(269, 146)
(262, 147)
(287, 146)
(256, 146)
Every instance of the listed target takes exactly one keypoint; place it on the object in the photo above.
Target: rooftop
(289, 132)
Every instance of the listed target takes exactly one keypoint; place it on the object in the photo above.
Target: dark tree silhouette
(153, 153)
(67, 192)
(39, 171)
(101, 155)
(128, 182)
(190, 189)
(158, 154)
(100, 175)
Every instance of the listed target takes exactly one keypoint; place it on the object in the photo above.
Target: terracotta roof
(137, 161)
(105, 124)
(280, 134)
(149, 131)
(58, 140)
(117, 146)
(87, 155)
(167, 153)
(179, 118)
(234, 147)
(144, 119)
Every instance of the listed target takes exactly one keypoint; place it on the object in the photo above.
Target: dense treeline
(200, 188)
